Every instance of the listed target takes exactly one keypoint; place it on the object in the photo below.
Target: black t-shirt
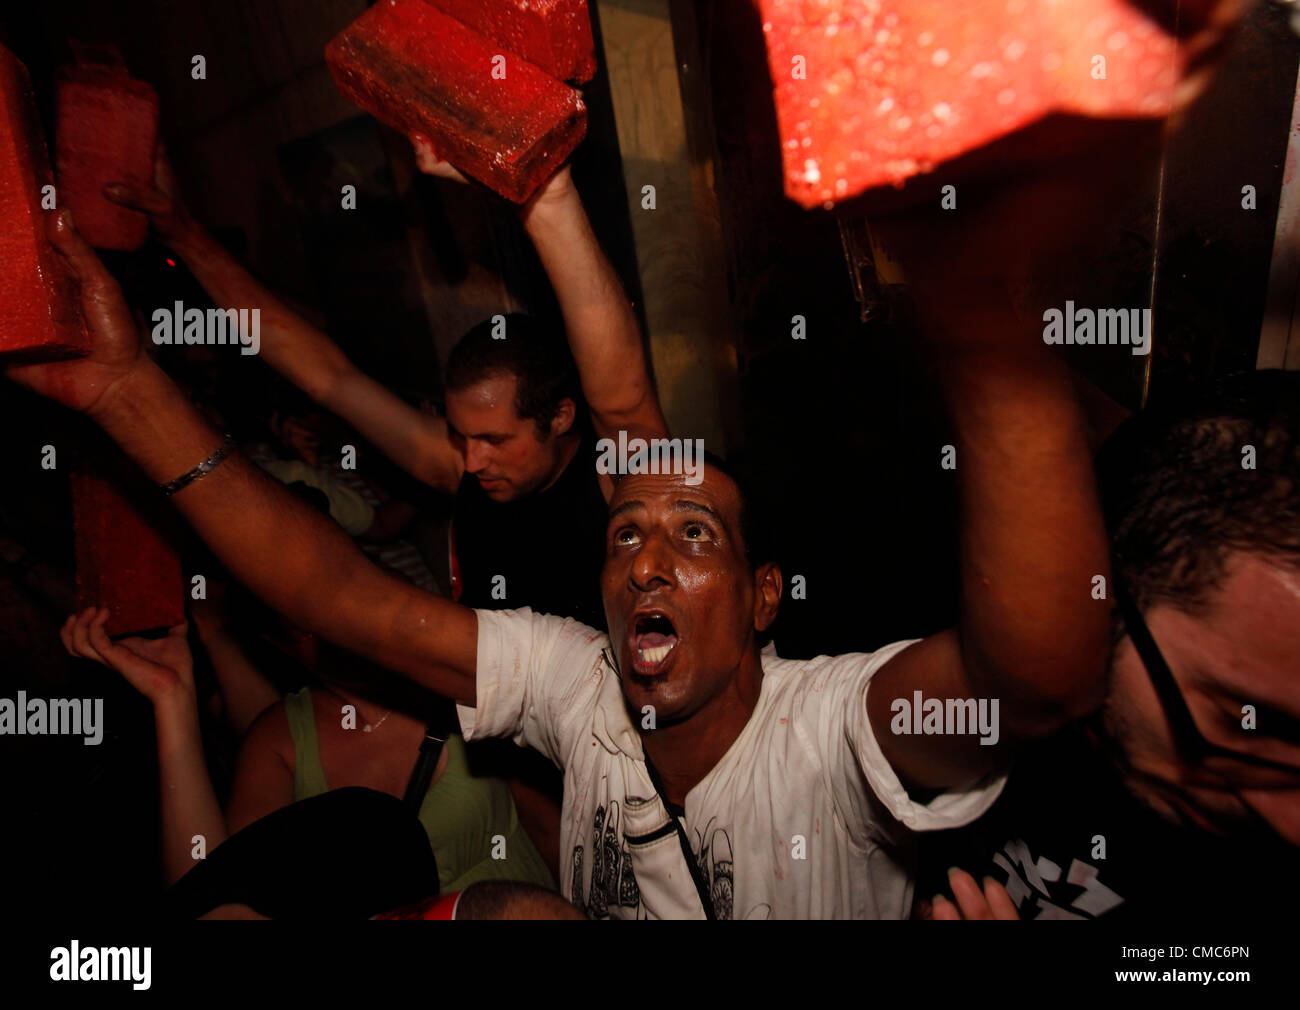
(1069, 841)
(549, 547)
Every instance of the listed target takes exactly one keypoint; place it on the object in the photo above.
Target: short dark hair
(534, 353)
(1177, 499)
(513, 899)
(755, 527)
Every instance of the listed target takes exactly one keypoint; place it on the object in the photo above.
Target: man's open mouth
(653, 640)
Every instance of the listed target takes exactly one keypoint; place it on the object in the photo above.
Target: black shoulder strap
(441, 725)
(697, 875)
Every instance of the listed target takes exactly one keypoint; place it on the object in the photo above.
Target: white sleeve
(537, 681)
(865, 787)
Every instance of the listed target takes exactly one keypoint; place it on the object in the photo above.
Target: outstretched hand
(558, 187)
(162, 669)
(428, 162)
(115, 351)
(169, 218)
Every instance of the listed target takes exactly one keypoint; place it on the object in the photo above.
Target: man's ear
(767, 594)
(563, 419)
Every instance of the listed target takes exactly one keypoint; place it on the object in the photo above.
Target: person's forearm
(192, 819)
(1032, 536)
(602, 327)
(315, 364)
(298, 561)
(289, 344)
(288, 554)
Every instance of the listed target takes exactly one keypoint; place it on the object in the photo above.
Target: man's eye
(694, 531)
(626, 535)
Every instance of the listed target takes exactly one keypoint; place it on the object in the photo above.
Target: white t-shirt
(802, 818)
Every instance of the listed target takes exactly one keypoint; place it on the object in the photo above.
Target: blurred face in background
(509, 455)
(1241, 648)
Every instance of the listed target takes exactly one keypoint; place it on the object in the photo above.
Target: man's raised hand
(169, 218)
(557, 188)
(428, 162)
(115, 351)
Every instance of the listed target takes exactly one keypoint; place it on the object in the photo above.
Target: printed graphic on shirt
(613, 882)
(714, 855)
(1040, 892)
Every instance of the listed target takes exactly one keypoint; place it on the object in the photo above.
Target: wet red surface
(892, 88)
(553, 34)
(106, 131)
(42, 313)
(420, 71)
(123, 562)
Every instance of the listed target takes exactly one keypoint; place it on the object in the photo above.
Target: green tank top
(467, 818)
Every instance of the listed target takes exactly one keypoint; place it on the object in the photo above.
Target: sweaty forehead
(716, 490)
(1247, 643)
(493, 390)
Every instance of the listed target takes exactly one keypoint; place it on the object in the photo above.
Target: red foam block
(892, 88)
(553, 34)
(106, 131)
(40, 318)
(420, 71)
(124, 560)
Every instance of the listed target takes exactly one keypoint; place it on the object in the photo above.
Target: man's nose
(476, 456)
(652, 566)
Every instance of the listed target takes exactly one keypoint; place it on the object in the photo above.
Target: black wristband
(202, 470)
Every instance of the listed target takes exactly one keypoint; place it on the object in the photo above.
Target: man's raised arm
(1031, 634)
(601, 326)
(297, 350)
(295, 559)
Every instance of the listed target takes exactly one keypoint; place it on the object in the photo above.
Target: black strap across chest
(441, 725)
(697, 874)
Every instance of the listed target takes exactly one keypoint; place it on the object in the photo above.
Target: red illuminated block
(40, 318)
(553, 34)
(106, 130)
(420, 71)
(124, 561)
(870, 92)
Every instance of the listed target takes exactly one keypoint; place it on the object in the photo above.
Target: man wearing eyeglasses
(1182, 795)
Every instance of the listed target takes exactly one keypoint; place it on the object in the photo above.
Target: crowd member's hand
(169, 218)
(161, 669)
(992, 902)
(116, 350)
(428, 162)
(557, 188)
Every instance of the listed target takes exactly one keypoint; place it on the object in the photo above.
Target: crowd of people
(582, 710)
